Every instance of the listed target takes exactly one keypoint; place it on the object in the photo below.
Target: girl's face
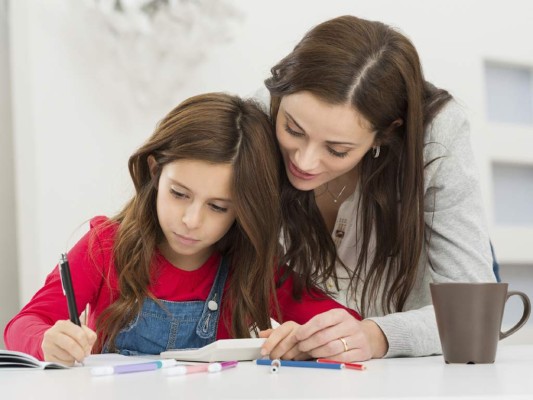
(195, 210)
(320, 141)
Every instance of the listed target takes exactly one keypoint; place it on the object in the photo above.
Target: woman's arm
(459, 245)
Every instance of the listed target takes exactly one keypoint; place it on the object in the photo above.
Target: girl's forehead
(202, 177)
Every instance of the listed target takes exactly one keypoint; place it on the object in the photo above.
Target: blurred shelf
(513, 245)
(511, 143)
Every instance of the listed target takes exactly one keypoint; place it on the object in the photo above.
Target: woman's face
(320, 141)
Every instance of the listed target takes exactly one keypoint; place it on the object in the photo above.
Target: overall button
(212, 305)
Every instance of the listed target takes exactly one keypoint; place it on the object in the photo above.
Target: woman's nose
(306, 158)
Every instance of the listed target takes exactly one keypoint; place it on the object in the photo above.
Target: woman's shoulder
(262, 97)
(448, 127)
(450, 122)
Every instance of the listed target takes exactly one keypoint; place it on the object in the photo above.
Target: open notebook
(16, 359)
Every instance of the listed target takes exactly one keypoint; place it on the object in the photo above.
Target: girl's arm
(47, 311)
(312, 302)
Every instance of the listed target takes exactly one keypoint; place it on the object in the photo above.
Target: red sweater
(95, 283)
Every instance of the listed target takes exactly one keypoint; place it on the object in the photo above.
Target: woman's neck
(332, 194)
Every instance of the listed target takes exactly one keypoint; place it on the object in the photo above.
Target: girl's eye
(292, 131)
(219, 209)
(337, 153)
(177, 194)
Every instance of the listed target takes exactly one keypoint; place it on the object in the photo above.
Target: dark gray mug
(469, 318)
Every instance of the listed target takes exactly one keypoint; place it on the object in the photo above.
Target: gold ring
(344, 343)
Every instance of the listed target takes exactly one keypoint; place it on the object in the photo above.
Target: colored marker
(219, 366)
(274, 365)
(128, 368)
(359, 367)
(300, 364)
(191, 369)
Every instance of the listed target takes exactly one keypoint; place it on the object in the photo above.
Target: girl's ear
(152, 165)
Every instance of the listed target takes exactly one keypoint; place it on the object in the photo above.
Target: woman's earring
(375, 151)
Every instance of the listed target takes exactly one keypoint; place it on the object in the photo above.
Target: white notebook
(220, 350)
(17, 359)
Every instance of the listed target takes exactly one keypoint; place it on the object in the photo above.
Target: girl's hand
(281, 343)
(321, 337)
(66, 342)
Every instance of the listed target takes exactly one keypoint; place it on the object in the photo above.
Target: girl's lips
(186, 240)
(299, 173)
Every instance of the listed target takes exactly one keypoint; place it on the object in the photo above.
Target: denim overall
(176, 325)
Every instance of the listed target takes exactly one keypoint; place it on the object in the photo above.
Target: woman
(381, 181)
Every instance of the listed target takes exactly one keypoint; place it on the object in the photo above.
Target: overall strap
(208, 322)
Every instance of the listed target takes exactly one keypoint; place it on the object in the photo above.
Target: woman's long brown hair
(377, 70)
(219, 129)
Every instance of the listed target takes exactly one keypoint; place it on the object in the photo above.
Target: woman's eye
(178, 195)
(219, 209)
(292, 131)
(337, 153)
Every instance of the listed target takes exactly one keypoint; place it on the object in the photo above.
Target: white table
(511, 377)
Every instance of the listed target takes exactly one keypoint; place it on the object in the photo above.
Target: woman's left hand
(281, 343)
(337, 335)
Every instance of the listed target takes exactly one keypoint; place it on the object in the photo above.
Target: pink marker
(219, 366)
(191, 369)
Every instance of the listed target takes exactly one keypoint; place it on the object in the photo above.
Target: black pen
(68, 290)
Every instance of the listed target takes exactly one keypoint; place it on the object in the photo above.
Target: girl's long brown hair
(377, 70)
(219, 129)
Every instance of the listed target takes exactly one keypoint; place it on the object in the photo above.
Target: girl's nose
(192, 217)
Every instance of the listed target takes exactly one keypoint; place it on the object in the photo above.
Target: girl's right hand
(66, 342)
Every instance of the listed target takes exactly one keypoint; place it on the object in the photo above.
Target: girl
(381, 178)
(190, 258)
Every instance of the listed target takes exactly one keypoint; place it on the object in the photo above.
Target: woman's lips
(294, 170)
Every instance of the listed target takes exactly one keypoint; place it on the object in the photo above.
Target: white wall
(8, 250)
(75, 126)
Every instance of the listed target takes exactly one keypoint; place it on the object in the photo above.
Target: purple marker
(127, 368)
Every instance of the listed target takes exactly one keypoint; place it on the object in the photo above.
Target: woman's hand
(66, 342)
(281, 343)
(321, 337)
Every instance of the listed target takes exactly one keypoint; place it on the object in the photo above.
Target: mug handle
(525, 314)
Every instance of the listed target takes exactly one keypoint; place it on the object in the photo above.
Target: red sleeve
(311, 304)
(25, 331)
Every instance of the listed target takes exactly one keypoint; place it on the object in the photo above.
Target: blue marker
(275, 364)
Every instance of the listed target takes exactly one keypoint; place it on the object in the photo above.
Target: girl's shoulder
(103, 226)
(102, 233)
